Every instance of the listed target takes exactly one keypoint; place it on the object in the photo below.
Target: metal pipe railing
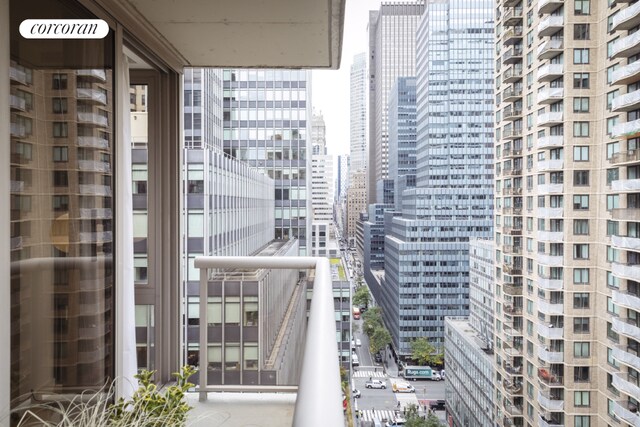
(318, 402)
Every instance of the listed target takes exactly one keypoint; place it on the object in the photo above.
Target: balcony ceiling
(248, 33)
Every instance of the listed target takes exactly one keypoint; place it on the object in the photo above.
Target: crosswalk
(367, 374)
(377, 414)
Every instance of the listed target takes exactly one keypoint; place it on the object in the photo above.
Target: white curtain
(126, 364)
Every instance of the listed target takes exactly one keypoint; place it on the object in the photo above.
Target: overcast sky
(330, 90)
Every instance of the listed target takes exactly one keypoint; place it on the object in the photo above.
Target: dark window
(59, 81)
(60, 178)
(581, 31)
(580, 325)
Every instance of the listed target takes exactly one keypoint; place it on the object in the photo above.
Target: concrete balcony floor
(242, 410)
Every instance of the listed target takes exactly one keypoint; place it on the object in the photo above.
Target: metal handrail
(318, 402)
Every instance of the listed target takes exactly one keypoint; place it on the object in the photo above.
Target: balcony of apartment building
(627, 355)
(554, 353)
(626, 102)
(512, 74)
(625, 157)
(512, 388)
(512, 407)
(551, 400)
(626, 18)
(512, 132)
(512, 368)
(628, 129)
(512, 113)
(17, 103)
(626, 185)
(551, 330)
(550, 236)
(550, 141)
(626, 74)
(512, 289)
(550, 283)
(550, 95)
(510, 3)
(513, 55)
(552, 118)
(549, 49)
(93, 74)
(626, 46)
(627, 411)
(93, 142)
(550, 260)
(551, 420)
(627, 271)
(630, 243)
(626, 299)
(552, 306)
(628, 327)
(512, 17)
(550, 165)
(547, 212)
(627, 384)
(509, 152)
(512, 36)
(512, 191)
(549, 6)
(550, 376)
(549, 72)
(550, 25)
(513, 94)
(547, 189)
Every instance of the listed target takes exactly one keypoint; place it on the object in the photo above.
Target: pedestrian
(370, 378)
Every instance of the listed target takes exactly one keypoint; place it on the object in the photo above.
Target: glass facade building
(266, 123)
(427, 247)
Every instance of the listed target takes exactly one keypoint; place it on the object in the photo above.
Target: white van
(354, 360)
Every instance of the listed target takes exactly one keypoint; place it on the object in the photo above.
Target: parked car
(356, 393)
(358, 342)
(399, 421)
(437, 405)
(375, 384)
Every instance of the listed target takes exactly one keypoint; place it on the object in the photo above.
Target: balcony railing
(93, 141)
(627, 129)
(548, 423)
(512, 191)
(550, 356)
(550, 72)
(17, 75)
(631, 156)
(626, 384)
(626, 299)
(551, 307)
(92, 95)
(550, 260)
(512, 74)
(512, 290)
(626, 46)
(623, 185)
(93, 166)
(550, 189)
(512, 94)
(626, 18)
(512, 370)
(550, 141)
(511, 249)
(626, 242)
(551, 212)
(550, 25)
(513, 310)
(549, 165)
(17, 130)
(319, 399)
(627, 411)
(549, 48)
(17, 103)
(551, 236)
(96, 74)
(550, 119)
(512, 133)
(512, 36)
(627, 356)
(512, 55)
(93, 118)
(626, 271)
(548, 6)
(627, 102)
(550, 332)
(550, 95)
(626, 74)
(625, 214)
(512, 17)
(626, 327)
(549, 378)
(550, 402)
(550, 284)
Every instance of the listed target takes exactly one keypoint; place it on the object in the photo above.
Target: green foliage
(424, 353)
(372, 318)
(157, 409)
(415, 420)
(379, 339)
(362, 297)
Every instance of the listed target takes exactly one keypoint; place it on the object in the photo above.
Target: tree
(415, 420)
(424, 353)
(362, 297)
(379, 339)
(371, 319)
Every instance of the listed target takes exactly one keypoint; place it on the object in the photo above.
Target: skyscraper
(392, 52)
(323, 242)
(567, 198)
(358, 112)
(426, 252)
(266, 124)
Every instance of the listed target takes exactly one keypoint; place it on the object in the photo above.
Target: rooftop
(242, 409)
